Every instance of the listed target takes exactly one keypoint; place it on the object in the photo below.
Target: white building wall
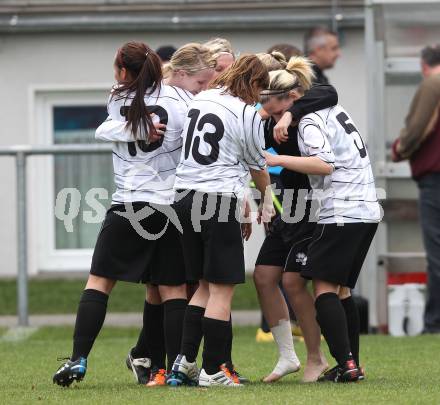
(39, 60)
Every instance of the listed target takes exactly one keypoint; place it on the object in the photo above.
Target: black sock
(228, 347)
(154, 334)
(215, 335)
(192, 332)
(89, 320)
(141, 348)
(174, 313)
(264, 326)
(353, 325)
(331, 319)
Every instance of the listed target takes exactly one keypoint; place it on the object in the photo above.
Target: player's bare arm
(307, 165)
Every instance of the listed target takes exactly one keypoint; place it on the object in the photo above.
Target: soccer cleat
(348, 373)
(141, 368)
(329, 375)
(222, 378)
(236, 376)
(157, 377)
(263, 337)
(70, 371)
(183, 372)
(361, 373)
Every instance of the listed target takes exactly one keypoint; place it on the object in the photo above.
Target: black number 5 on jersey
(351, 129)
(212, 138)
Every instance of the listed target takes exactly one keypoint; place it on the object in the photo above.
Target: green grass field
(399, 371)
(60, 296)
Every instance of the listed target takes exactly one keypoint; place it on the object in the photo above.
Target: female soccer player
(336, 160)
(222, 53)
(138, 232)
(285, 247)
(223, 142)
(189, 71)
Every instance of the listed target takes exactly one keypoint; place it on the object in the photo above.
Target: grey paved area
(239, 318)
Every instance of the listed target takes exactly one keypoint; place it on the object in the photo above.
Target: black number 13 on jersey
(211, 138)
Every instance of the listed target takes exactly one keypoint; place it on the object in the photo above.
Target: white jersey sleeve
(253, 134)
(315, 141)
(114, 131)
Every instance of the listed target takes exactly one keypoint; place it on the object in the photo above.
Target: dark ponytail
(145, 73)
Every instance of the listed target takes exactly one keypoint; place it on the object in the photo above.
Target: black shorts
(286, 245)
(336, 253)
(127, 253)
(212, 247)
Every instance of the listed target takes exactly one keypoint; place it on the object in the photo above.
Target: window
(61, 115)
(77, 124)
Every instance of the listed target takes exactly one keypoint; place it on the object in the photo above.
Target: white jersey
(146, 172)
(223, 137)
(349, 193)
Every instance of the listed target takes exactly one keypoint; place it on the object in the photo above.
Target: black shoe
(70, 371)
(329, 375)
(348, 373)
(140, 367)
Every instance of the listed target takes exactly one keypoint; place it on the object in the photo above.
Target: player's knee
(344, 292)
(172, 292)
(98, 283)
(294, 284)
(264, 278)
(222, 291)
(152, 295)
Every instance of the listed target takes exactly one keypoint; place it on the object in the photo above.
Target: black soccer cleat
(348, 373)
(329, 375)
(70, 371)
(140, 367)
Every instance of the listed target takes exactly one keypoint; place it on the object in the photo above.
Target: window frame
(43, 255)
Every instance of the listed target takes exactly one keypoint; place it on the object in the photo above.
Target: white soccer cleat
(141, 368)
(222, 378)
(183, 372)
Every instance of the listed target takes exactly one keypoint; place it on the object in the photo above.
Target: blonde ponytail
(280, 58)
(302, 68)
(273, 61)
(297, 76)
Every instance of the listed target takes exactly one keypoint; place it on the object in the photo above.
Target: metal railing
(20, 153)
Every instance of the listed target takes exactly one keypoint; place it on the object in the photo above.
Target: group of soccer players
(187, 137)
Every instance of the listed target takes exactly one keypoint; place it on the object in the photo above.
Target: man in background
(419, 142)
(321, 46)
